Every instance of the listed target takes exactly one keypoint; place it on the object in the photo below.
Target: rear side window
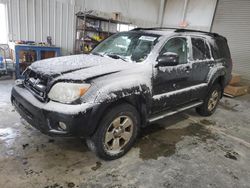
(200, 49)
(220, 49)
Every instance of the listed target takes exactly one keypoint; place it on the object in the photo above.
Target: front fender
(112, 93)
(139, 96)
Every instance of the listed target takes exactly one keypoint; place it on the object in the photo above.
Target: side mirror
(167, 59)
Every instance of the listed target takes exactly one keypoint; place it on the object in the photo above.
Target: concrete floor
(185, 150)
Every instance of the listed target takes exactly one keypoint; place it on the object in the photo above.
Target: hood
(79, 67)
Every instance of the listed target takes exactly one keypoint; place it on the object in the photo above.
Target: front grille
(36, 84)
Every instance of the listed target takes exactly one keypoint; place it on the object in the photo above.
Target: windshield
(128, 46)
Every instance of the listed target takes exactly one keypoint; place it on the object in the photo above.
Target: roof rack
(152, 28)
(198, 31)
(177, 30)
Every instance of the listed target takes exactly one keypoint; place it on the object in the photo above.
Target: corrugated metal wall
(37, 19)
(140, 12)
(232, 19)
(198, 13)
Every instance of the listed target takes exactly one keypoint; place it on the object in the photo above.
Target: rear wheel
(116, 133)
(211, 101)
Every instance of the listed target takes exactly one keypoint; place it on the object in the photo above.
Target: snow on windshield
(128, 46)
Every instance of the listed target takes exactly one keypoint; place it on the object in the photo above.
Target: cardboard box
(116, 16)
(236, 90)
(235, 79)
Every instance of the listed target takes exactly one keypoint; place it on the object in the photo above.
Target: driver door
(170, 83)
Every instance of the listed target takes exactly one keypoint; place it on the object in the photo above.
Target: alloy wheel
(118, 134)
(213, 100)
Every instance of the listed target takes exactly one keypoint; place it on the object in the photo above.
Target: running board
(170, 113)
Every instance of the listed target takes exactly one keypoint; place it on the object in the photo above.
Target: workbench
(38, 50)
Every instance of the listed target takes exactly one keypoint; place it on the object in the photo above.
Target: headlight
(67, 92)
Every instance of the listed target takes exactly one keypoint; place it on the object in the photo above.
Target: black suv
(128, 81)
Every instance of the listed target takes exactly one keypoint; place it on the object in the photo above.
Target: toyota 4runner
(128, 81)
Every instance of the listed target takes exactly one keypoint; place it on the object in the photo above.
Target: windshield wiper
(96, 53)
(115, 56)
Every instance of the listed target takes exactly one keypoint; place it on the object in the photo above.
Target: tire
(211, 101)
(120, 122)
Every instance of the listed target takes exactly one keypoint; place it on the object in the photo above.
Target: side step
(170, 113)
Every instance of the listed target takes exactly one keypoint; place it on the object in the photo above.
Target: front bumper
(46, 116)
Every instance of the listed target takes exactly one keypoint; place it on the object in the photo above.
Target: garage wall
(198, 13)
(37, 19)
(232, 19)
(143, 13)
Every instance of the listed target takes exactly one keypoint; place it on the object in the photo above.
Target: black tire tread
(203, 109)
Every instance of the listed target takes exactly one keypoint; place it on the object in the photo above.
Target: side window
(178, 46)
(200, 49)
(221, 49)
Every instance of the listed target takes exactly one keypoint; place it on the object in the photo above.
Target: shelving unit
(90, 30)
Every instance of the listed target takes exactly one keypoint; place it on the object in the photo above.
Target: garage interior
(183, 150)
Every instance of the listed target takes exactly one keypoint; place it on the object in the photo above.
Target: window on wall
(125, 27)
(3, 21)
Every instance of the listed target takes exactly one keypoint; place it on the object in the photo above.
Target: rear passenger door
(201, 63)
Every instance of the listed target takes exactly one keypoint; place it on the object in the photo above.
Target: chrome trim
(54, 131)
(167, 94)
(174, 112)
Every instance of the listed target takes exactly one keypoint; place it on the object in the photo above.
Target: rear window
(220, 49)
(200, 49)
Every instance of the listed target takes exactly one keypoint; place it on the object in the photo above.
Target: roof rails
(198, 31)
(152, 28)
(177, 30)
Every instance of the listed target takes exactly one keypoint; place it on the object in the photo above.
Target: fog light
(62, 126)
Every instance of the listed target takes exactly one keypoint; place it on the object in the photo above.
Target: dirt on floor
(184, 150)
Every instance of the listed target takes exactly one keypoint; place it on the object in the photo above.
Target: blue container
(1, 62)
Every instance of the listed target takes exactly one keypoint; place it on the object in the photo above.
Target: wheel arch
(139, 102)
(218, 77)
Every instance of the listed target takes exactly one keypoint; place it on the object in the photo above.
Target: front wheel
(116, 133)
(211, 101)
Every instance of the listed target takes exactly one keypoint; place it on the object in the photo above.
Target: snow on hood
(60, 65)
(100, 69)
